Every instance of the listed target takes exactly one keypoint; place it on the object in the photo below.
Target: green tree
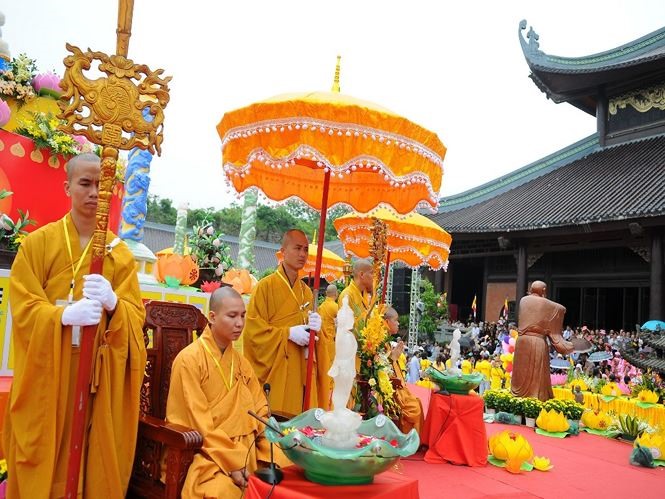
(433, 311)
(161, 210)
(229, 220)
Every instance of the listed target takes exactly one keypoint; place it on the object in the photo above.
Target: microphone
(272, 474)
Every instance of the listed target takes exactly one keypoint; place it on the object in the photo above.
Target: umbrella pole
(317, 282)
(385, 278)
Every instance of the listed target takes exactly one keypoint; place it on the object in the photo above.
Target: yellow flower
(372, 382)
(655, 442)
(509, 445)
(579, 382)
(541, 463)
(385, 384)
(611, 389)
(648, 396)
(552, 421)
(596, 420)
(374, 332)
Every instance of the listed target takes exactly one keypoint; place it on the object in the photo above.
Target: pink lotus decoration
(5, 113)
(558, 379)
(47, 84)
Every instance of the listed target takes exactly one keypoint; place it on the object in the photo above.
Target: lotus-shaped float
(655, 442)
(512, 448)
(611, 389)
(552, 421)
(648, 397)
(596, 420)
(579, 382)
(460, 384)
(380, 444)
(541, 463)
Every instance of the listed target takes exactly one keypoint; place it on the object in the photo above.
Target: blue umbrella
(654, 325)
(559, 364)
(600, 356)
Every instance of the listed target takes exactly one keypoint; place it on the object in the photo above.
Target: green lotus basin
(460, 384)
(380, 444)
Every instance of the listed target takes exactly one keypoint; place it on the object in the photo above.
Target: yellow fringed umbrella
(413, 239)
(328, 149)
(332, 265)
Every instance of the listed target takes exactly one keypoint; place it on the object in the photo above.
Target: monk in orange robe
(359, 289)
(539, 319)
(47, 314)
(411, 409)
(212, 388)
(325, 347)
(277, 330)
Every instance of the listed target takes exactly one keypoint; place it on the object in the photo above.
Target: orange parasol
(413, 239)
(332, 265)
(329, 149)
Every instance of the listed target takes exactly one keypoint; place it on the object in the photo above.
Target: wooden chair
(171, 328)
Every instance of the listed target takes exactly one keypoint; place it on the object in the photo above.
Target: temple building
(589, 219)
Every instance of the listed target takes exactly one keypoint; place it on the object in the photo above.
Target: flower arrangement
(504, 401)
(43, 130)
(12, 233)
(630, 427)
(16, 79)
(531, 407)
(569, 408)
(209, 251)
(375, 367)
(490, 397)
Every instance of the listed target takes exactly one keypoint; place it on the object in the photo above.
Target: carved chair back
(169, 327)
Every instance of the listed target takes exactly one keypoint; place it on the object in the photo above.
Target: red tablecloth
(387, 485)
(454, 430)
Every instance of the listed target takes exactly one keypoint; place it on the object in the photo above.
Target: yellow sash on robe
(38, 419)
(272, 310)
(325, 351)
(199, 398)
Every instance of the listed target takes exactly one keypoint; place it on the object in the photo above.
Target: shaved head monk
(52, 299)
(277, 330)
(212, 388)
(360, 288)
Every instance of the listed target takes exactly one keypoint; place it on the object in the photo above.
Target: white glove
(82, 313)
(96, 287)
(314, 321)
(300, 335)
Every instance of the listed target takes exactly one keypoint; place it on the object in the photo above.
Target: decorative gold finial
(335, 87)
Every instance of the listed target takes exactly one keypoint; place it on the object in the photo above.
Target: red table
(387, 485)
(454, 430)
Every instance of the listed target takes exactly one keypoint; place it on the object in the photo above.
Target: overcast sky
(455, 68)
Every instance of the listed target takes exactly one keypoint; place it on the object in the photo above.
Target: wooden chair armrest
(172, 435)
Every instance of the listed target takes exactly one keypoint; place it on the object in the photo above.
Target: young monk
(212, 388)
(411, 409)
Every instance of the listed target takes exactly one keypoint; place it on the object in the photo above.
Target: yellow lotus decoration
(648, 396)
(181, 268)
(611, 389)
(510, 446)
(541, 463)
(596, 420)
(579, 382)
(552, 421)
(655, 442)
(241, 280)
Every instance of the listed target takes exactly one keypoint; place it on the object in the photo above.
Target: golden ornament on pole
(108, 111)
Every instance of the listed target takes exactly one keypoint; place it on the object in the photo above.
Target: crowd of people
(484, 352)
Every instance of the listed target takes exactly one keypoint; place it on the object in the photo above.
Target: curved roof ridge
(557, 159)
(601, 60)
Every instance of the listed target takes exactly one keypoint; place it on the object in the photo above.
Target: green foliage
(12, 232)
(490, 397)
(208, 250)
(569, 408)
(161, 211)
(434, 312)
(649, 382)
(630, 427)
(267, 272)
(531, 407)
(271, 221)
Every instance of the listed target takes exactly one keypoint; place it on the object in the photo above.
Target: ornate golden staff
(113, 118)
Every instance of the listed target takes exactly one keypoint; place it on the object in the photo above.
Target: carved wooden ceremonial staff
(113, 119)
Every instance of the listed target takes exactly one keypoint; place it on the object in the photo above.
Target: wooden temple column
(521, 275)
(656, 307)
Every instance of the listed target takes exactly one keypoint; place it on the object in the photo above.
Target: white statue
(454, 353)
(341, 423)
